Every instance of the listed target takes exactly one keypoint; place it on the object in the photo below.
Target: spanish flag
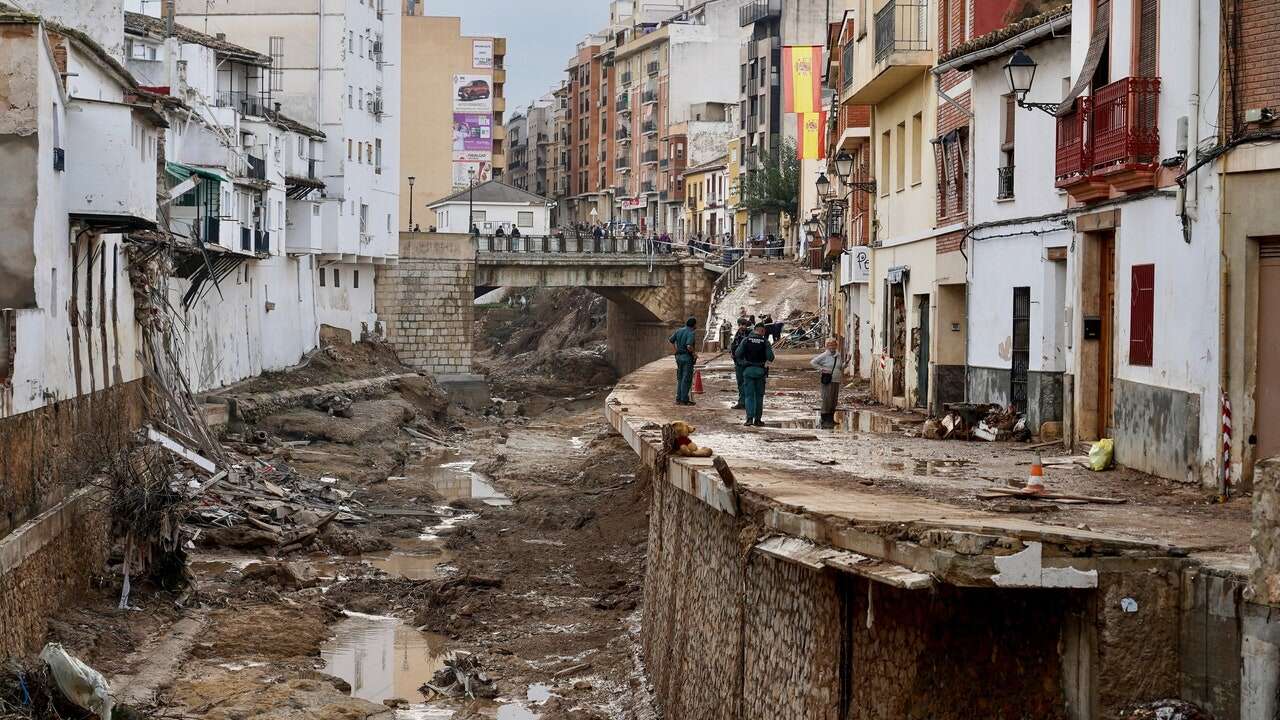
(801, 78)
(812, 135)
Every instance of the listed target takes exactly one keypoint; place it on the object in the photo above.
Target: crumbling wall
(19, 152)
(1137, 615)
(1264, 585)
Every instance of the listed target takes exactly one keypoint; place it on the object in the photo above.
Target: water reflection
(381, 657)
(457, 480)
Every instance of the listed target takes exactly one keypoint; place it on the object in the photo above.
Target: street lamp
(814, 225)
(471, 204)
(411, 179)
(1021, 71)
(844, 165)
(824, 186)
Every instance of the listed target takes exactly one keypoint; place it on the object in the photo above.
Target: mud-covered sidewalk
(875, 487)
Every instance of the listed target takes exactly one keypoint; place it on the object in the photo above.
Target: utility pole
(471, 201)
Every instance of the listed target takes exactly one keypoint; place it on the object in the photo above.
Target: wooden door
(1267, 418)
(1106, 343)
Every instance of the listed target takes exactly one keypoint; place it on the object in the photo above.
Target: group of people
(752, 351)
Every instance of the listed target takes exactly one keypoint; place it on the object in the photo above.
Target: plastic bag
(1102, 454)
(80, 683)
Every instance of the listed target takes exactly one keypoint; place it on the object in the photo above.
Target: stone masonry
(1264, 588)
(427, 302)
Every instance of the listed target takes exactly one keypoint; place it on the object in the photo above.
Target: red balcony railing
(1073, 161)
(1122, 125)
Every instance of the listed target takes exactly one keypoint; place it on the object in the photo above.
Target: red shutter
(1142, 315)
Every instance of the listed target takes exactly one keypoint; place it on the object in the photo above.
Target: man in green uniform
(684, 341)
(755, 353)
(744, 331)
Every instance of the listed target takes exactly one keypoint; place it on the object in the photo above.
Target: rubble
(967, 421)
(461, 676)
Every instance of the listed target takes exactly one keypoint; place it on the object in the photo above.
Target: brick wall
(952, 169)
(427, 302)
(1252, 49)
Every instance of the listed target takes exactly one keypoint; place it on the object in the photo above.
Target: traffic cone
(697, 382)
(1035, 480)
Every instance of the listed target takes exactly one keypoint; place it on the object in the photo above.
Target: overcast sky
(541, 35)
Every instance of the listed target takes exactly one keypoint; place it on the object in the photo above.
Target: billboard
(462, 173)
(482, 54)
(472, 137)
(472, 93)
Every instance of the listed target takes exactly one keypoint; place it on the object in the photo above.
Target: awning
(805, 553)
(182, 172)
(1097, 46)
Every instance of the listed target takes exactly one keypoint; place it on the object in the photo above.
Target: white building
(491, 206)
(1016, 344)
(338, 71)
(79, 153)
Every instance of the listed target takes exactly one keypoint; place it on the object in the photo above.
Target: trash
(985, 432)
(1129, 605)
(461, 676)
(81, 684)
(1102, 454)
(336, 404)
(1166, 710)
(181, 451)
(931, 430)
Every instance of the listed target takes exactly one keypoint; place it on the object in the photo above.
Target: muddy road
(509, 542)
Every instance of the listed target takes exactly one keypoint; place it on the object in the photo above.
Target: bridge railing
(570, 244)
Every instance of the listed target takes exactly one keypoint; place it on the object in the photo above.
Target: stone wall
(1264, 586)
(427, 301)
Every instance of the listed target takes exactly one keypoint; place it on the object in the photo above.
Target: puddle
(940, 468)
(539, 692)
(456, 480)
(850, 421)
(382, 658)
(408, 564)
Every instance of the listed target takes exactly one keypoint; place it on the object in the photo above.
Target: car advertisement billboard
(472, 93)
(472, 137)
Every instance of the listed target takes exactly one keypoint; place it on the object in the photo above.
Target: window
(360, 98)
(348, 148)
(1004, 188)
(364, 218)
(479, 215)
(351, 96)
(377, 156)
(884, 164)
(315, 209)
(302, 147)
(900, 165)
(355, 278)
(337, 280)
(53, 293)
(917, 148)
(351, 40)
(321, 277)
(1142, 315)
(524, 219)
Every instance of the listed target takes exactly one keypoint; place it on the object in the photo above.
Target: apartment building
(767, 26)
(517, 144)
(336, 69)
(453, 131)
(587, 119)
(541, 130)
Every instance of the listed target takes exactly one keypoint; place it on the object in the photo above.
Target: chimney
(221, 36)
(167, 12)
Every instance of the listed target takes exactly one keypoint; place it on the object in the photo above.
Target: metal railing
(261, 241)
(902, 25)
(567, 243)
(650, 96)
(724, 284)
(650, 127)
(245, 102)
(649, 156)
(1122, 125)
(1004, 182)
(653, 67)
(758, 10)
(257, 167)
(1072, 158)
(623, 104)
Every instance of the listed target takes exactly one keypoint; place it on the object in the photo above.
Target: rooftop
(1006, 33)
(493, 191)
(155, 28)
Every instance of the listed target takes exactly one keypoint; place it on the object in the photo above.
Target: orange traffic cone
(697, 382)
(1035, 480)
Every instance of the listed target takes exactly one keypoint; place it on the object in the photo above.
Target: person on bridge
(684, 341)
(755, 353)
(744, 330)
(830, 366)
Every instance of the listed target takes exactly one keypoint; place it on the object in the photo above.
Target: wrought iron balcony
(1110, 140)
(623, 104)
(650, 96)
(650, 127)
(649, 156)
(652, 67)
(757, 10)
(902, 25)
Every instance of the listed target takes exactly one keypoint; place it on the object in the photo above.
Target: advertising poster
(462, 173)
(472, 137)
(472, 93)
(482, 54)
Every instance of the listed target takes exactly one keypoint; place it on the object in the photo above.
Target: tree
(775, 186)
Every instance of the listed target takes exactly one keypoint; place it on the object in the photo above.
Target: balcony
(898, 52)
(1004, 182)
(754, 12)
(650, 97)
(262, 242)
(245, 103)
(257, 168)
(626, 78)
(647, 187)
(623, 164)
(110, 178)
(652, 68)
(649, 157)
(650, 127)
(623, 104)
(1110, 140)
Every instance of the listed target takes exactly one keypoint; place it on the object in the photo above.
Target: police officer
(744, 331)
(684, 341)
(755, 353)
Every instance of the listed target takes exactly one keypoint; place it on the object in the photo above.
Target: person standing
(684, 341)
(744, 331)
(756, 353)
(830, 367)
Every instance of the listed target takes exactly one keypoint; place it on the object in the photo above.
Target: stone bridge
(426, 300)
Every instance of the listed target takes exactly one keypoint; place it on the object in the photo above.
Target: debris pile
(1166, 710)
(460, 677)
(968, 421)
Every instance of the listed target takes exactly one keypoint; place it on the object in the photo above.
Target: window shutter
(1148, 22)
(1010, 113)
(1097, 46)
(1142, 315)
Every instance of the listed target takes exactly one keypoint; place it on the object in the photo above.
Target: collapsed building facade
(167, 230)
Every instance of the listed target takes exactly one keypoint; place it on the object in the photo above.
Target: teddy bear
(677, 440)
